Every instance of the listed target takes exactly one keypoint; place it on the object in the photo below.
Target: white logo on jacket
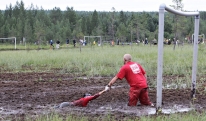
(135, 68)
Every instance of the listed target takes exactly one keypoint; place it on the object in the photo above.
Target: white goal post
(93, 37)
(11, 39)
(196, 15)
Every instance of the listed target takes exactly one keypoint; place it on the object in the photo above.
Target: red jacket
(82, 102)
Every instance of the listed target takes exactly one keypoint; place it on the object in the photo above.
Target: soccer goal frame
(203, 38)
(93, 37)
(11, 39)
(162, 9)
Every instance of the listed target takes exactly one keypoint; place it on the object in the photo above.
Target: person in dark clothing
(67, 41)
(74, 42)
(117, 41)
(146, 41)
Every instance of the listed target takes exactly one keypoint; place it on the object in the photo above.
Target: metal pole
(101, 43)
(195, 53)
(160, 58)
(15, 43)
(160, 51)
(131, 40)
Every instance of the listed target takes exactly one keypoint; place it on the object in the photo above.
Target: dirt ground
(33, 94)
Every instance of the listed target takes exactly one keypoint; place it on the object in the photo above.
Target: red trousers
(140, 94)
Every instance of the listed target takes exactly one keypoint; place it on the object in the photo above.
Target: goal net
(10, 38)
(92, 40)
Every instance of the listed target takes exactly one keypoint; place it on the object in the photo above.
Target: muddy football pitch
(35, 94)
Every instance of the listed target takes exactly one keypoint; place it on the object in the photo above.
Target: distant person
(146, 41)
(74, 42)
(112, 42)
(137, 41)
(169, 42)
(51, 44)
(143, 41)
(99, 43)
(177, 41)
(117, 41)
(82, 102)
(67, 41)
(81, 41)
(84, 42)
(57, 44)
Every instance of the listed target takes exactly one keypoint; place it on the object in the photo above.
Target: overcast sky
(106, 5)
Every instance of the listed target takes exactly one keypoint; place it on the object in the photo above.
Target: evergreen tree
(112, 26)
(71, 15)
(2, 32)
(13, 31)
(28, 32)
(39, 24)
(68, 32)
(94, 21)
(89, 28)
(1, 18)
(19, 28)
(122, 18)
(39, 30)
(56, 15)
(150, 24)
(104, 23)
(8, 12)
(121, 31)
(83, 25)
(177, 29)
(6, 29)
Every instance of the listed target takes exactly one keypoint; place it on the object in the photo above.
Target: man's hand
(107, 88)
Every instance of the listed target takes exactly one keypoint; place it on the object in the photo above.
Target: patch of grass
(190, 116)
(187, 116)
(103, 61)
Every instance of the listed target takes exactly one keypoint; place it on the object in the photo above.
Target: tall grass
(102, 61)
(27, 46)
(106, 61)
(189, 116)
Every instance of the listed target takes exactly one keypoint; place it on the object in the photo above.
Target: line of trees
(35, 24)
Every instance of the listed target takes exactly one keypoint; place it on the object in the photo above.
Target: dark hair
(86, 94)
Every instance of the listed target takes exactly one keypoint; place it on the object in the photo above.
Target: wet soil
(34, 94)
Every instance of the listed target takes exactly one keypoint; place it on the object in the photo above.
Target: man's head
(127, 58)
(86, 95)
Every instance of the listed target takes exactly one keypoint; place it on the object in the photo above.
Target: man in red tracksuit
(82, 102)
(136, 78)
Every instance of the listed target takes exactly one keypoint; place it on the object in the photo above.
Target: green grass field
(103, 61)
(93, 61)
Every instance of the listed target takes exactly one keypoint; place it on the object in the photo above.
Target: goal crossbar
(162, 9)
(11, 38)
(94, 37)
